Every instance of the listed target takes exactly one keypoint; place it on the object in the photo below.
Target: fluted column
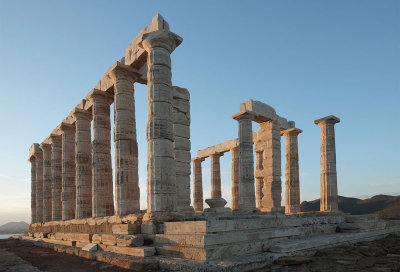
(83, 159)
(127, 193)
(161, 168)
(197, 185)
(215, 175)
(259, 178)
(272, 187)
(56, 174)
(47, 203)
(68, 195)
(247, 199)
(39, 185)
(292, 179)
(329, 193)
(235, 177)
(102, 182)
(32, 160)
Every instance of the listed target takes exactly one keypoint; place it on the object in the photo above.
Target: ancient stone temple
(79, 208)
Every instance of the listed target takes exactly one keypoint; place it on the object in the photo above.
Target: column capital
(45, 146)
(233, 149)
(66, 127)
(96, 95)
(244, 115)
(160, 38)
(121, 71)
(291, 131)
(80, 114)
(54, 138)
(33, 150)
(197, 159)
(331, 119)
(216, 154)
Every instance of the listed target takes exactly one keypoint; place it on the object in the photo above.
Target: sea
(5, 236)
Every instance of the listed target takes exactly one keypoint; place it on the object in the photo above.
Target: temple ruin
(76, 205)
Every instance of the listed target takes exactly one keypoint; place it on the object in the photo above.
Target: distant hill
(388, 207)
(14, 227)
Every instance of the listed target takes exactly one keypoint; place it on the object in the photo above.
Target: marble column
(247, 201)
(68, 194)
(329, 193)
(292, 180)
(161, 167)
(39, 185)
(197, 185)
(127, 193)
(83, 159)
(259, 178)
(272, 187)
(56, 174)
(32, 160)
(215, 176)
(102, 180)
(47, 180)
(235, 177)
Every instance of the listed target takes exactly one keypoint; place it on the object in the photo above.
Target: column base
(273, 210)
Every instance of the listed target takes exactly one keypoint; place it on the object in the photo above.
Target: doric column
(39, 184)
(32, 160)
(259, 178)
(215, 175)
(329, 194)
(272, 187)
(292, 180)
(235, 177)
(102, 181)
(47, 203)
(247, 199)
(83, 159)
(197, 185)
(68, 194)
(127, 193)
(161, 168)
(56, 174)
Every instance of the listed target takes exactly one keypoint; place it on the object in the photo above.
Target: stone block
(182, 156)
(180, 93)
(108, 239)
(90, 247)
(181, 105)
(87, 255)
(182, 131)
(181, 143)
(132, 251)
(79, 237)
(181, 117)
(96, 238)
(126, 228)
(80, 244)
(130, 240)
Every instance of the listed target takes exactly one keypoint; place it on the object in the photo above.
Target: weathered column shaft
(47, 180)
(197, 185)
(56, 173)
(127, 193)
(247, 199)
(259, 178)
(161, 167)
(272, 187)
(235, 178)
(215, 176)
(68, 195)
(39, 186)
(33, 189)
(102, 181)
(83, 159)
(329, 192)
(292, 180)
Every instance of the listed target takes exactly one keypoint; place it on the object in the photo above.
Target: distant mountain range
(14, 227)
(387, 207)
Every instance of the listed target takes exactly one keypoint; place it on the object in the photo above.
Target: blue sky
(307, 59)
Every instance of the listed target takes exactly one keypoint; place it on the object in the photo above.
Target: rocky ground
(381, 256)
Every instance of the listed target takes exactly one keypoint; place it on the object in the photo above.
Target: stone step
(131, 251)
(51, 241)
(362, 226)
(361, 218)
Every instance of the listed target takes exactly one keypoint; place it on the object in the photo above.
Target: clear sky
(307, 59)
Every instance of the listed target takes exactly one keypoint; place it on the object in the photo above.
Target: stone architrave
(161, 167)
(47, 180)
(247, 201)
(235, 177)
(272, 187)
(197, 185)
(182, 156)
(292, 180)
(329, 193)
(68, 194)
(102, 181)
(216, 175)
(39, 184)
(259, 178)
(83, 159)
(127, 192)
(32, 160)
(56, 175)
